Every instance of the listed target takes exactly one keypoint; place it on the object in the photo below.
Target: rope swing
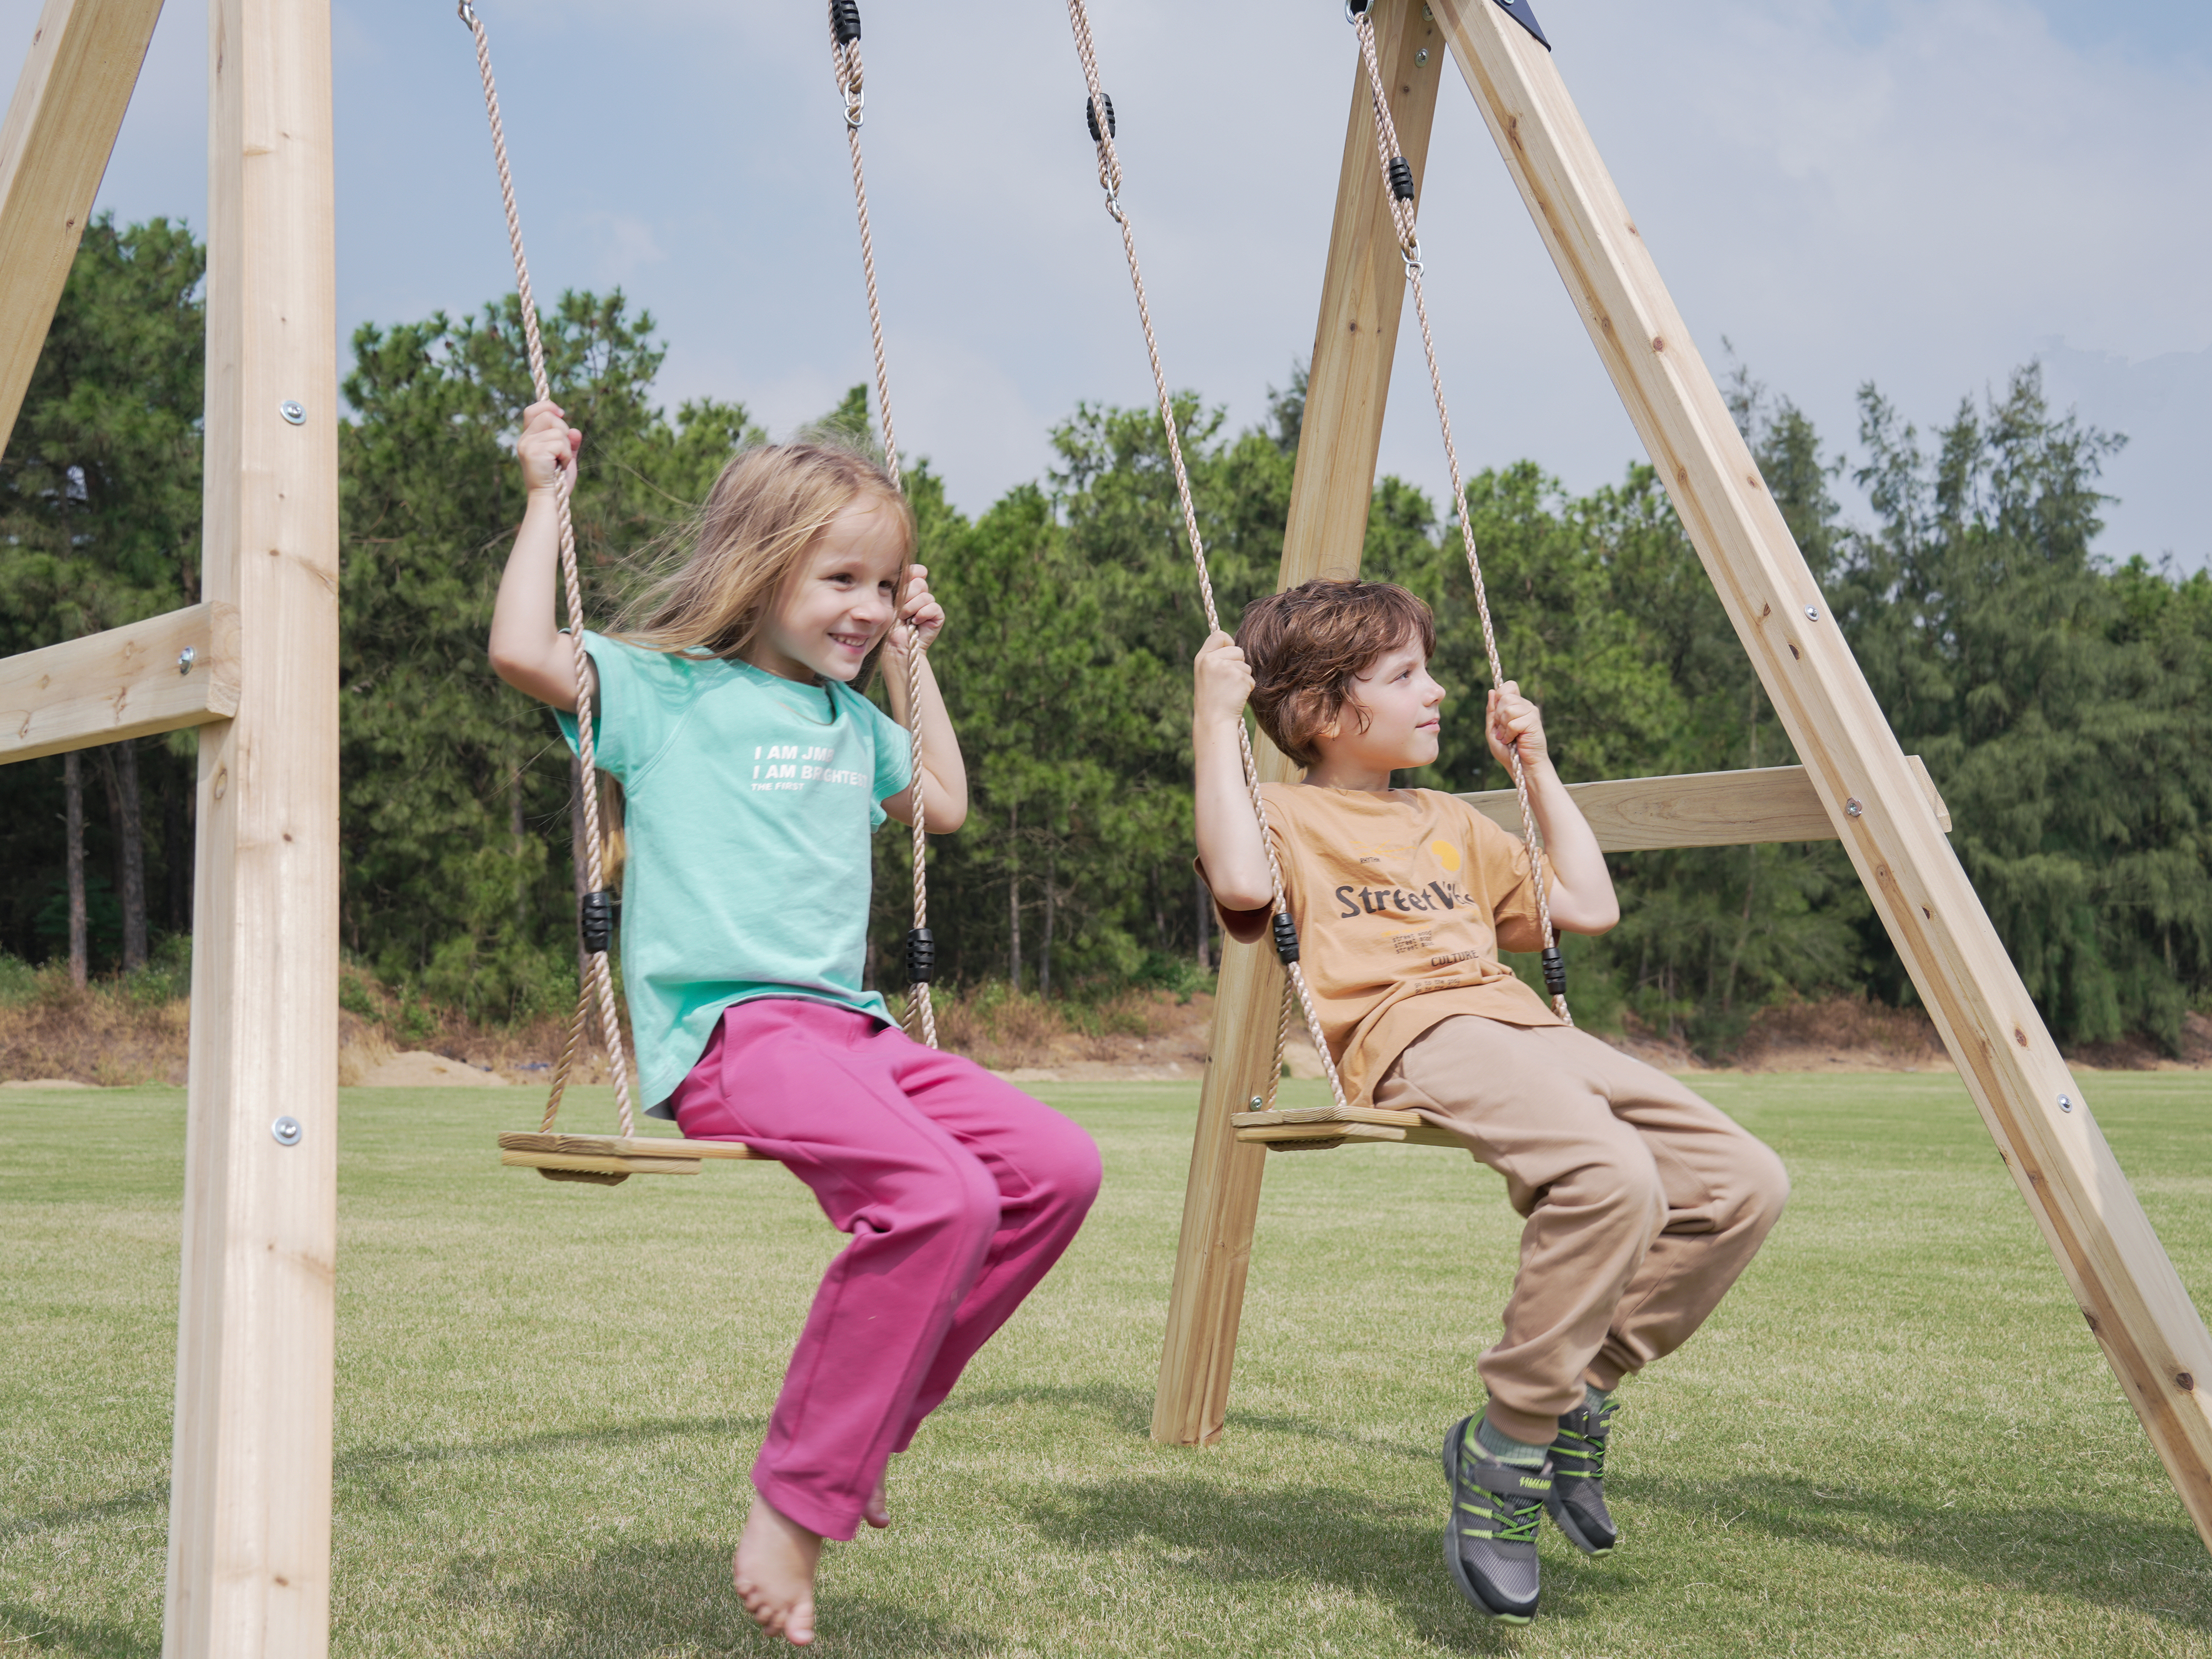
(1398, 185)
(596, 908)
(921, 1018)
(1098, 116)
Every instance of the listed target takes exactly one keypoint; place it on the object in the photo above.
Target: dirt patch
(420, 1069)
(100, 1036)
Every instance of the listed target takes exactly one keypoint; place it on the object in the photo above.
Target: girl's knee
(959, 1200)
(1064, 1167)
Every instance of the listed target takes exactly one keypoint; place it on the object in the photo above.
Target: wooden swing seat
(610, 1160)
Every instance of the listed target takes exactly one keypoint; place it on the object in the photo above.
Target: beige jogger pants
(1643, 1202)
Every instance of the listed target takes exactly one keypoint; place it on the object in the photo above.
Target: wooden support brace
(1701, 809)
(1348, 385)
(2036, 1111)
(160, 674)
(61, 125)
(250, 1493)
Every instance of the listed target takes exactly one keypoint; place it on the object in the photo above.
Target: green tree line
(2057, 697)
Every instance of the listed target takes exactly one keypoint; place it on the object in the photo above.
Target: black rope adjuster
(921, 956)
(1402, 179)
(1555, 971)
(844, 22)
(1090, 119)
(1286, 939)
(597, 915)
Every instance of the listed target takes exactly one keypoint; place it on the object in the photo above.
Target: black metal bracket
(1525, 15)
(1090, 118)
(1286, 939)
(1402, 179)
(921, 956)
(844, 22)
(597, 915)
(1555, 971)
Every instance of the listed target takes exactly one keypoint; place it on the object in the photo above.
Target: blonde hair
(722, 572)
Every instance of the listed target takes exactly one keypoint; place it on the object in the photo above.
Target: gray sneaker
(1490, 1541)
(1577, 1500)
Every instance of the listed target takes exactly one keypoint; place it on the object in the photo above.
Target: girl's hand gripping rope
(547, 447)
(919, 611)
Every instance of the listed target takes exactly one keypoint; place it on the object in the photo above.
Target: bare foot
(878, 1511)
(774, 1573)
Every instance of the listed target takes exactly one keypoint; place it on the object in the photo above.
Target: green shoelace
(1514, 1523)
(1582, 1456)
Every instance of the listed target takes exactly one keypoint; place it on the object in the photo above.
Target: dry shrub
(1841, 1024)
(999, 1027)
(103, 1034)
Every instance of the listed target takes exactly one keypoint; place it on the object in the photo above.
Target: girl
(753, 770)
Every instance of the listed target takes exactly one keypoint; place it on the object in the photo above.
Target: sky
(1922, 194)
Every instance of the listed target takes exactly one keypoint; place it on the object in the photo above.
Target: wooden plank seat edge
(660, 1146)
(614, 1155)
(1324, 1127)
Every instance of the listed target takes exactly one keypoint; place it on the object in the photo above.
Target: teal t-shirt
(750, 802)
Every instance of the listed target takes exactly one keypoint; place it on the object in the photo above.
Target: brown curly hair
(1307, 645)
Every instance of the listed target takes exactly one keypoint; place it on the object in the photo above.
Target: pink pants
(960, 1192)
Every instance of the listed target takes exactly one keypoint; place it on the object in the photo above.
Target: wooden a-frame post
(2036, 1113)
(255, 667)
(1347, 383)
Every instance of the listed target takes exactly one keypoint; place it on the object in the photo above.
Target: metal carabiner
(467, 13)
(1410, 252)
(1114, 207)
(856, 110)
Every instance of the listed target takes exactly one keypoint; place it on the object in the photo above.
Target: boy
(1643, 1202)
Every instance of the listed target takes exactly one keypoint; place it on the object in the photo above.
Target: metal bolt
(2065, 1102)
(1853, 809)
(1421, 57)
(185, 658)
(1258, 1101)
(294, 410)
(286, 1130)
(1812, 613)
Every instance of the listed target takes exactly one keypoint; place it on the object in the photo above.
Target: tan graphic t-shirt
(1402, 901)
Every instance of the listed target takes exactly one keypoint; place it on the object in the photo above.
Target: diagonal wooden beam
(2127, 1289)
(1347, 383)
(160, 674)
(61, 125)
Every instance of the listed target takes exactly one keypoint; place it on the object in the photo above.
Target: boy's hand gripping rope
(920, 945)
(1398, 184)
(598, 982)
(1096, 106)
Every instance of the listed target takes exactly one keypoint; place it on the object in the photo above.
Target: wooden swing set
(254, 667)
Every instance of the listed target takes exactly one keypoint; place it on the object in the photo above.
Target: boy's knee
(1762, 1185)
(1622, 1184)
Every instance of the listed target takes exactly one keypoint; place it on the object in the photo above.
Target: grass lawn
(1895, 1437)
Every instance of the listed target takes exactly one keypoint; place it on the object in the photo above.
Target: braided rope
(1110, 180)
(845, 63)
(598, 981)
(1409, 248)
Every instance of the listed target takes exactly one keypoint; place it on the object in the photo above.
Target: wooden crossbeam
(61, 125)
(1347, 385)
(1702, 809)
(160, 674)
(2032, 1105)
